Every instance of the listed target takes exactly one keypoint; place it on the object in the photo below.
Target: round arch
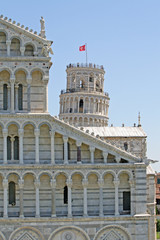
(7, 70)
(70, 231)
(26, 233)
(17, 37)
(22, 69)
(14, 123)
(29, 172)
(32, 44)
(45, 173)
(5, 32)
(37, 69)
(61, 172)
(112, 231)
(93, 172)
(77, 172)
(29, 122)
(109, 172)
(45, 123)
(127, 172)
(13, 173)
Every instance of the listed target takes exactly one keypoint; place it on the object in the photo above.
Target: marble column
(53, 204)
(8, 43)
(52, 133)
(92, 149)
(22, 50)
(12, 147)
(105, 155)
(16, 97)
(69, 185)
(101, 184)
(37, 134)
(37, 186)
(12, 80)
(78, 143)
(21, 186)
(9, 97)
(132, 197)
(29, 80)
(65, 141)
(116, 184)
(5, 134)
(78, 104)
(85, 184)
(5, 198)
(21, 134)
(84, 104)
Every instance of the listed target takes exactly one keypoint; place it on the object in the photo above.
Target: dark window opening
(91, 79)
(68, 145)
(5, 97)
(81, 106)
(126, 201)
(123, 161)
(16, 148)
(158, 201)
(9, 148)
(81, 103)
(65, 195)
(12, 193)
(125, 146)
(158, 180)
(20, 97)
(70, 110)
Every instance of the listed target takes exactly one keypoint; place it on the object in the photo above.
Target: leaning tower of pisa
(84, 102)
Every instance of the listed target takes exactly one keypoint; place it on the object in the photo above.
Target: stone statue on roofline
(42, 27)
(46, 50)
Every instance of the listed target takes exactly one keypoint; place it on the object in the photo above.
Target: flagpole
(86, 53)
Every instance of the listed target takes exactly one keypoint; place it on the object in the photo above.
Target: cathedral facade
(69, 177)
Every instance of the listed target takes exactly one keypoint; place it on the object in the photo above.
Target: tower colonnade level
(84, 102)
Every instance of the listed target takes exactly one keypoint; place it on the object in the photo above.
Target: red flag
(82, 48)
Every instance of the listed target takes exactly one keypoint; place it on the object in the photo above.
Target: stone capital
(53, 183)
(5, 132)
(116, 183)
(105, 154)
(69, 183)
(20, 132)
(37, 132)
(12, 80)
(78, 143)
(65, 139)
(8, 42)
(92, 149)
(5, 183)
(85, 183)
(118, 158)
(21, 184)
(52, 132)
(101, 183)
(37, 184)
(29, 80)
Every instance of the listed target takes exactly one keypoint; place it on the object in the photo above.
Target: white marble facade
(59, 179)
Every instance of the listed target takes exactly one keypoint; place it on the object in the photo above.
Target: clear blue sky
(122, 35)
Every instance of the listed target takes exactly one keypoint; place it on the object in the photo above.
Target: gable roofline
(20, 28)
(100, 141)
